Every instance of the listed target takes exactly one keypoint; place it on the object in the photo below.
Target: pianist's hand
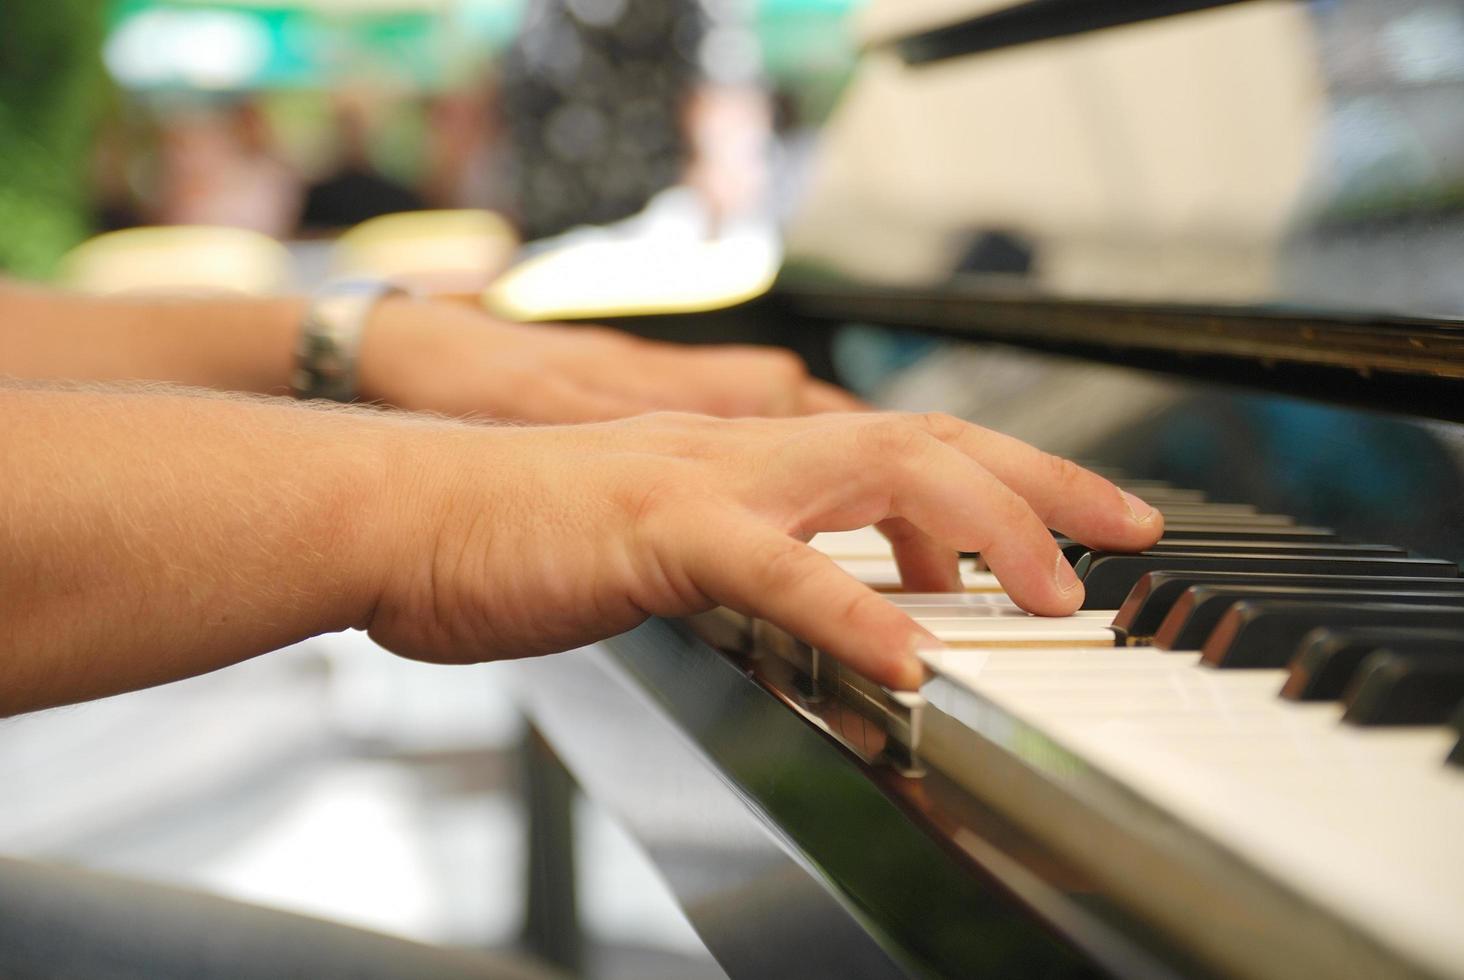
(449, 358)
(517, 541)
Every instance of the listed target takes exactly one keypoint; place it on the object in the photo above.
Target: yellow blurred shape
(436, 251)
(178, 257)
(610, 278)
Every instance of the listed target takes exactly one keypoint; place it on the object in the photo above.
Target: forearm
(231, 343)
(147, 536)
(150, 536)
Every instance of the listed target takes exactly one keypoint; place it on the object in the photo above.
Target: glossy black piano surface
(1210, 244)
(1260, 186)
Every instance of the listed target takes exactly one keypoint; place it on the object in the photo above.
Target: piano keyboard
(1294, 699)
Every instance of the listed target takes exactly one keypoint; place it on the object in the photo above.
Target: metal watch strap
(330, 337)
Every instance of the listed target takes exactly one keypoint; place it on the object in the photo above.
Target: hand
(451, 359)
(512, 542)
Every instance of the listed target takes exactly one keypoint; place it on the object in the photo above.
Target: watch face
(331, 336)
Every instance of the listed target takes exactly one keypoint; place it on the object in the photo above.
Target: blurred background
(300, 118)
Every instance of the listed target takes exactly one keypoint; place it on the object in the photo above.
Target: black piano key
(1232, 532)
(1180, 508)
(1107, 577)
(1237, 546)
(1145, 489)
(1211, 532)
(1171, 498)
(1393, 688)
(1242, 546)
(1253, 546)
(1071, 550)
(1197, 611)
(1214, 519)
(1114, 475)
(1267, 632)
(1327, 659)
(1155, 593)
(1240, 529)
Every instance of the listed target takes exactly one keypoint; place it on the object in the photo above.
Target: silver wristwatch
(330, 337)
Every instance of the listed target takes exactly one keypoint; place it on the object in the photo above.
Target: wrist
(363, 520)
(427, 476)
(390, 344)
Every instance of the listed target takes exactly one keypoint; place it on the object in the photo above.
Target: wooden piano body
(1215, 244)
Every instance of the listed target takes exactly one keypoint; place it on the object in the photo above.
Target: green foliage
(52, 89)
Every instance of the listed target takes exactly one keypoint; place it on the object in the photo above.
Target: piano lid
(1270, 179)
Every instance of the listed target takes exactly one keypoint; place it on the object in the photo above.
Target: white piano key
(1019, 631)
(969, 664)
(864, 542)
(1001, 610)
(951, 599)
(884, 576)
(1364, 821)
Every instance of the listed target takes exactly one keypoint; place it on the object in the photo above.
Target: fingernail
(1141, 512)
(1064, 576)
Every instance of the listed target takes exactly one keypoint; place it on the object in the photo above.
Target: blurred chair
(178, 257)
(440, 252)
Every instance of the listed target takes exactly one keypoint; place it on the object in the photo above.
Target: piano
(1210, 249)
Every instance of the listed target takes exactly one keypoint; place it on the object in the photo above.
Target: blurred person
(114, 154)
(220, 166)
(610, 102)
(355, 190)
(728, 132)
(151, 533)
(466, 165)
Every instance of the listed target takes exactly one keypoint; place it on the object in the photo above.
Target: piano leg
(551, 915)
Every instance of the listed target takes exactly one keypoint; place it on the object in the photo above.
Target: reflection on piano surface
(1243, 757)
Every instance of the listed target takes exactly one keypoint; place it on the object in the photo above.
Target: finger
(763, 572)
(820, 396)
(925, 565)
(745, 381)
(962, 505)
(620, 365)
(1075, 501)
(679, 378)
(564, 401)
(883, 466)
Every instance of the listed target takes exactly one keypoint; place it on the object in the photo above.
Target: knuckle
(1060, 473)
(786, 364)
(941, 425)
(890, 438)
(780, 374)
(900, 532)
(664, 512)
(864, 607)
(609, 337)
(782, 561)
(646, 501)
(515, 385)
(1014, 513)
